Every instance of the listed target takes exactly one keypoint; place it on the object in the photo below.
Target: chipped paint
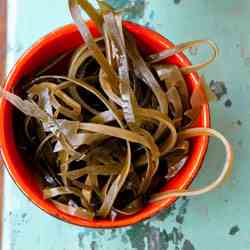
(179, 219)
(134, 9)
(166, 213)
(93, 245)
(188, 245)
(239, 123)
(182, 211)
(218, 88)
(177, 1)
(228, 103)
(156, 236)
(80, 240)
(156, 233)
(152, 15)
(153, 239)
(24, 215)
(234, 230)
(136, 235)
(176, 236)
(124, 239)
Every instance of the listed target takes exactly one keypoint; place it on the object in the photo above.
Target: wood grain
(3, 49)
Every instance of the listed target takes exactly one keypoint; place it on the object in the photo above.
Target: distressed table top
(217, 220)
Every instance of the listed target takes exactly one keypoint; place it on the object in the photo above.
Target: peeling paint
(234, 230)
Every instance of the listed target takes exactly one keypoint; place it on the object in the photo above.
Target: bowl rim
(142, 215)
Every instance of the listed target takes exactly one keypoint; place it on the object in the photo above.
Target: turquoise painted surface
(214, 221)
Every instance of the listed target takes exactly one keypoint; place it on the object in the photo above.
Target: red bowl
(53, 44)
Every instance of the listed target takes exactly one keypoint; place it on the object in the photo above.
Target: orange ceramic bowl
(52, 45)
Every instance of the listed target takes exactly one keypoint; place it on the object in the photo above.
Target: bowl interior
(54, 44)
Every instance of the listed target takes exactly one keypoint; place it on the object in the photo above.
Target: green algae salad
(106, 134)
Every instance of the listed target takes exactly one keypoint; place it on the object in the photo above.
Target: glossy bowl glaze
(47, 48)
